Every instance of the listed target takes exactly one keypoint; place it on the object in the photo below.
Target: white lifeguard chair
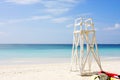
(84, 47)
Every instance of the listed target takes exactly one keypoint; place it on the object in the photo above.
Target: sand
(50, 71)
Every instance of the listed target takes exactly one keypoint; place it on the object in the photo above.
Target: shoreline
(15, 61)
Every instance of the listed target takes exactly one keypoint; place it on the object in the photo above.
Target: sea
(10, 51)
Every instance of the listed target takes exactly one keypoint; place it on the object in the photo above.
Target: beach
(59, 39)
(52, 70)
(50, 61)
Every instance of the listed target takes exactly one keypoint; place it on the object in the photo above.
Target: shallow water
(8, 51)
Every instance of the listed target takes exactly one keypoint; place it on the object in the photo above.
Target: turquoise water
(8, 51)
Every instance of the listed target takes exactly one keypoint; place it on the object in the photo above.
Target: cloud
(70, 1)
(115, 27)
(58, 7)
(35, 18)
(59, 3)
(55, 11)
(23, 1)
(55, 7)
(32, 18)
(40, 17)
(60, 20)
(1, 23)
(70, 25)
(2, 33)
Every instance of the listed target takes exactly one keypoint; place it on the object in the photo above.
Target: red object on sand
(109, 74)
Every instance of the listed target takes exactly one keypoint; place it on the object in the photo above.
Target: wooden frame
(84, 35)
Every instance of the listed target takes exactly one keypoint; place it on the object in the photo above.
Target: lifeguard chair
(84, 48)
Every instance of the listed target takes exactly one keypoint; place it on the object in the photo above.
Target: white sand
(50, 71)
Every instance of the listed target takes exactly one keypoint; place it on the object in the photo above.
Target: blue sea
(10, 51)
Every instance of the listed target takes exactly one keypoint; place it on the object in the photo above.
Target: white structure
(84, 33)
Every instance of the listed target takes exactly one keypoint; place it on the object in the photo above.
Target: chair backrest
(83, 24)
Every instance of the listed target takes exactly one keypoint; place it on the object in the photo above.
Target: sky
(51, 21)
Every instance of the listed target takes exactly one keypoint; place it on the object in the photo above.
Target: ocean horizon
(8, 51)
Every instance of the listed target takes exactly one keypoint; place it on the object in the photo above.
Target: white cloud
(58, 7)
(70, 1)
(40, 17)
(58, 3)
(56, 11)
(55, 7)
(115, 27)
(33, 18)
(2, 33)
(70, 25)
(41, 1)
(1, 23)
(23, 1)
(60, 20)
